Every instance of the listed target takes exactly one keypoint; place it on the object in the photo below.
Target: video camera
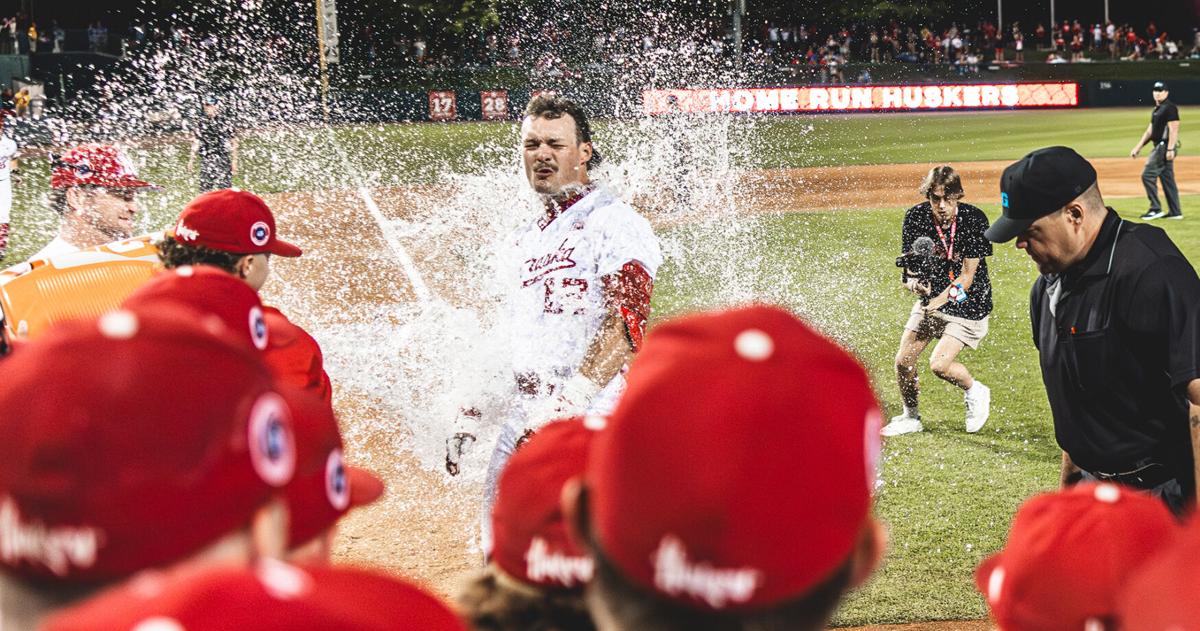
(920, 263)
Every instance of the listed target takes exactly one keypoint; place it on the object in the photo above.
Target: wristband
(957, 293)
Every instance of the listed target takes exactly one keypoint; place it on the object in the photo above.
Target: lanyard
(941, 235)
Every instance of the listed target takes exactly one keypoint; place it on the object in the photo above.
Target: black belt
(1144, 477)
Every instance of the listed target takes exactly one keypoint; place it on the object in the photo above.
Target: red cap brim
(283, 248)
(365, 486)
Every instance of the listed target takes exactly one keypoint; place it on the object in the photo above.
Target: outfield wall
(472, 104)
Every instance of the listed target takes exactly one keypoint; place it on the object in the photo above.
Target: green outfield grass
(422, 152)
(948, 495)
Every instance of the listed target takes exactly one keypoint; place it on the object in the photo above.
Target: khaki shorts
(937, 324)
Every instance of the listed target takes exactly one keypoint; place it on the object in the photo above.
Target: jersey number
(571, 290)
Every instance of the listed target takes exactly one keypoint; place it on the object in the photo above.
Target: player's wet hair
(553, 106)
(490, 603)
(944, 176)
(174, 254)
(636, 608)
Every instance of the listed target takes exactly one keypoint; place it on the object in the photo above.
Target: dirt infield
(425, 526)
(785, 190)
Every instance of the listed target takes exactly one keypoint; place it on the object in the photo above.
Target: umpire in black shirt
(1163, 134)
(1116, 320)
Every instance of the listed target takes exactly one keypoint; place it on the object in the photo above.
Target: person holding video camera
(943, 253)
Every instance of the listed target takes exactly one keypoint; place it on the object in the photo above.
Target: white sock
(974, 389)
(911, 412)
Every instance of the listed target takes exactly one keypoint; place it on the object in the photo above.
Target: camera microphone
(922, 246)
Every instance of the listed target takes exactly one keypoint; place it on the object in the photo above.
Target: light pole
(1000, 16)
(739, 9)
(327, 47)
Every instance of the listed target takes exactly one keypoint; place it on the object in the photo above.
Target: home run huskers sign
(868, 97)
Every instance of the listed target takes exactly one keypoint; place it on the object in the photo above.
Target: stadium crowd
(182, 468)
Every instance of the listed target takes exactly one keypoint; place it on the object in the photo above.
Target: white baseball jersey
(58, 246)
(558, 304)
(8, 151)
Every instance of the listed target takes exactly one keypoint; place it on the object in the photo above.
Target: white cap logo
(272, 446)
(337, 485)
(258, 328)
(260, 233)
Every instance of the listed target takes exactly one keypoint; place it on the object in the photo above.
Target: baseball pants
(1159, 168)
(602, 404)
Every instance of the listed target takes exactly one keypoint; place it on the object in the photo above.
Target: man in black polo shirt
(949, 272)
(1163, 132)
(1116, 320)
(216, 144)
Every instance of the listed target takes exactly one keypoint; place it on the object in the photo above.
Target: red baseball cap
(737, 470)
(531, 543)
(324, 487)
(1067, 555)
(230, 220)
(150, 439)
(211, 293)
(1162, 594)
(271, 595)
(94, 165)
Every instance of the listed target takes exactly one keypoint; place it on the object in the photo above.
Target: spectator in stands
(32, 34)
(732, 545)
(59, 36)
(1018, 43)
(1070, 554)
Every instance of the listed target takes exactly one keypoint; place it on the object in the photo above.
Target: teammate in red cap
(1069, 554)
(1162, 595)
(153, 443)
(211, 293)
(537, 573)
(732, 487)
(272, 595)
(94, 189)
(324, 488)
(235, 231)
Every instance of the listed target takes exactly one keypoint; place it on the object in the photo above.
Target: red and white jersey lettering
(595, 255)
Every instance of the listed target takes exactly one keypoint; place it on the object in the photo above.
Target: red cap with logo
(736, 472)
(94, 165)
(230, 220)
(1067, 555)
(1162, 595)
(271, 595)
(150, 439)
(213, 293)
(324, 487)
(531, 543)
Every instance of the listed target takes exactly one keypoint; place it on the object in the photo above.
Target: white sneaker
(978, 406)
(902, 424)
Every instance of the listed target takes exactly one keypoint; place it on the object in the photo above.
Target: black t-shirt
(1164, 113)
(1119, 349)
(216, 139)
(968, 242)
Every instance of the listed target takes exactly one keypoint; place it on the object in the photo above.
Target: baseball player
(154, 443)
(8, 171)
(584, 274)
(235, 231)
(537, 574)
(94, 189)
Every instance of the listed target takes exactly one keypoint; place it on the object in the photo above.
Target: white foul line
(389, 235)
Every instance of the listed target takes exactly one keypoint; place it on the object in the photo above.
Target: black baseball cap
(1159, 85)
(1037, 185)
